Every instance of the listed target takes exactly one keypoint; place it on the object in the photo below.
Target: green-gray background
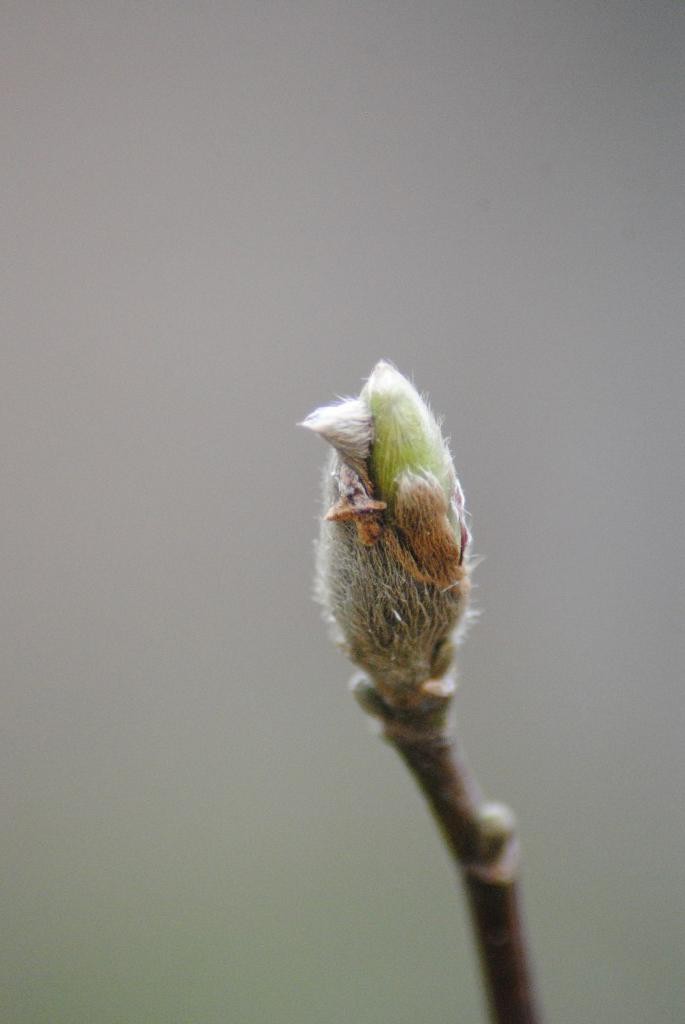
(215, 217)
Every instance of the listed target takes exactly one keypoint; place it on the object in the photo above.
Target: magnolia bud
(392, 571)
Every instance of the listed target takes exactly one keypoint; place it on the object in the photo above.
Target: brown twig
(480, 836)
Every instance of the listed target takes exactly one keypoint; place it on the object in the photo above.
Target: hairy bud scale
(392, 561)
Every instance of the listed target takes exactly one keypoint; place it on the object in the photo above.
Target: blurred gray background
(217, 216)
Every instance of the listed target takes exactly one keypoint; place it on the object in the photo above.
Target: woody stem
(481, 838)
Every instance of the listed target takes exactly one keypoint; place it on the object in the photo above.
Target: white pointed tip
(309, 422)
(383, 365)
(384, 374)
(348, 427)
(386, 381)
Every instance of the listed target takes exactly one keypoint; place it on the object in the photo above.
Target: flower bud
(392, 571)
